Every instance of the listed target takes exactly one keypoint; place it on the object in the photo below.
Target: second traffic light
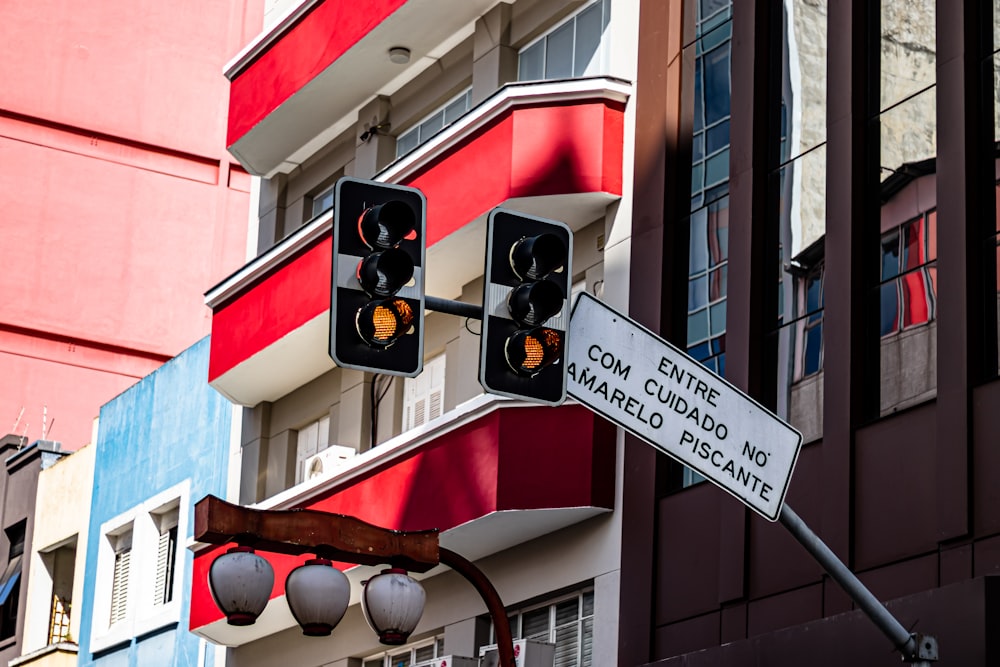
(377, 291)
(525, 307)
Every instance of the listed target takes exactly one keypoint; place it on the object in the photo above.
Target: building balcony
(552, 149)
(474, 476)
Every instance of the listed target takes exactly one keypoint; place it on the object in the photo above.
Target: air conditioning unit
(449, 661)
(527, 653)
(327, 461)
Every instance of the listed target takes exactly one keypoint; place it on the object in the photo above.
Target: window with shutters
(139, 571)
(166, 555)
(313, 438)
(423, 396)
(122, 544)
(567, 622)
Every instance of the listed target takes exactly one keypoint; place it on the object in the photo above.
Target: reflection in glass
(803, 80)
(908, 133)
(908, 304)
(712, 88)
(707, 263)
(800, 284)
(908, 49)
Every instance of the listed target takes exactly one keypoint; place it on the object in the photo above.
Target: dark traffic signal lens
(535, 257)
(385, 273)
(533, 303)
(386, 225)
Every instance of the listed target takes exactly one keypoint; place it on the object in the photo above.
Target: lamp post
(241, 581)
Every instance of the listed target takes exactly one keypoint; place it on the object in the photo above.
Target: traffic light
(525, 307)
(377, 291)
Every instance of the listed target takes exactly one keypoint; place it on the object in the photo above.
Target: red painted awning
(483, 485)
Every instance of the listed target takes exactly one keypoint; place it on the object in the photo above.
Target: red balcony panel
(281, 302)
(322, 62)
(459, 479)
(538, 154)
(300, 55)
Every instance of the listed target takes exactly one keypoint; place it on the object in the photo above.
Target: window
(138, 573)
(423, 396)
(567, 622)
(809, 329)
(166, 555)
(323, 201)
(712, 87)
(576, 47)
(59, 563)
(406, 656)
(313, 438)
(909, 274)
(10, 583)
(434, 123)
(708, 262)
(122, 544)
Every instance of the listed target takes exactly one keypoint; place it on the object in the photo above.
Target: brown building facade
(861, 167)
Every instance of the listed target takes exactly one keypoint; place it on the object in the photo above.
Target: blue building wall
(169, 428)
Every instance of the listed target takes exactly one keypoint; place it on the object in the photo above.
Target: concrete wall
(164, 439)
(67, 484)
(121, 203)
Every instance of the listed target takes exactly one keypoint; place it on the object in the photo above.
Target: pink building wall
(119, 205)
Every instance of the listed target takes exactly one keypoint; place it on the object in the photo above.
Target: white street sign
(655, 391)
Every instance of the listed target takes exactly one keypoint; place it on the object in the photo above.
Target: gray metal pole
(452, 307)
(915, 648)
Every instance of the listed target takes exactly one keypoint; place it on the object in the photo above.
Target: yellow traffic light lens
(381, 323)
(529, 352)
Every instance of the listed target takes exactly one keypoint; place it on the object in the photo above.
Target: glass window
(909, 274)
(707, 265)
(411, 654)
(438, 120)
(576, 47)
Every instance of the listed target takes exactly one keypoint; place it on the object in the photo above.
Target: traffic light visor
(385, 273)
(535, 257)
(530, 352)
(381, 323)
(386, 225)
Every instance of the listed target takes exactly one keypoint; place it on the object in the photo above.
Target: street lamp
(318, 594)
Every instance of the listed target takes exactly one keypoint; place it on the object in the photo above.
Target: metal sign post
(656, 392)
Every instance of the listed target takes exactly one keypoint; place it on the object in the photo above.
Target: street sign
(631, 376)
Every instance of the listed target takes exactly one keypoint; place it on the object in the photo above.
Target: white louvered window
(567, 622)
(313, 438)
(166, 556)
(423, 396)
(120, 579)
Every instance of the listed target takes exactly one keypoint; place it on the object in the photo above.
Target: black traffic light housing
(526, 307)
(377, 291)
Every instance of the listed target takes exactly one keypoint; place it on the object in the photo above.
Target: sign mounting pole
(655, 391)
